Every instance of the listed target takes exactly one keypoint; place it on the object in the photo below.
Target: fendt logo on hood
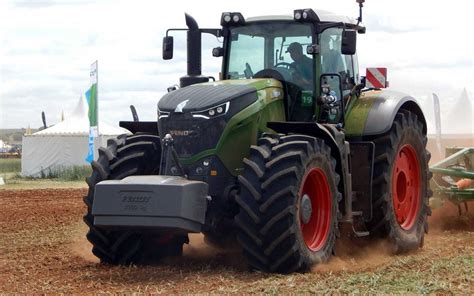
(181, 133)
(179, 108)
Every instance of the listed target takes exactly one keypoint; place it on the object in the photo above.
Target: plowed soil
(43, 250)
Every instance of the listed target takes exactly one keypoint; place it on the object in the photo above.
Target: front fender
(374, 112)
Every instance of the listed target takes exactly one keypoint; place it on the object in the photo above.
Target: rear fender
(374, 112)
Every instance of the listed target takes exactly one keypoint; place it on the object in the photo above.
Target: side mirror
(168, 48)
(331, 84)
(349, 41)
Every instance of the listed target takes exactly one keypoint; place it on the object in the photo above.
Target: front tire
(126, 156)
(401, 192)
(288, 204)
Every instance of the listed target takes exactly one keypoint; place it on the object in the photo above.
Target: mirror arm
(361, 5)
(357, 88)
(175, 29)
(215, 32)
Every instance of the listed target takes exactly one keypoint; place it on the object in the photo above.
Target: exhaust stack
(43, 118)
(194, 54)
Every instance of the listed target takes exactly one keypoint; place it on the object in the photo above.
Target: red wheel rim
(406, 187)
(315, 232)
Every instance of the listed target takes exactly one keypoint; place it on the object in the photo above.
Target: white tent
(460, 118)
(64, 144)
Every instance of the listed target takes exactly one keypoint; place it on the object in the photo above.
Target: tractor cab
(305, 54)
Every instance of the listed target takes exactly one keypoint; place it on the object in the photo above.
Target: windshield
(276, 46)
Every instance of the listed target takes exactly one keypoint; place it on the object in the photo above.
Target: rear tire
(288, 204)
(126, 156)
(401, 192)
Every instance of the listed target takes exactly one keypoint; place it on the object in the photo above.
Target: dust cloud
(201, 252)
(357, 254)
(79, 245)
(447, 218)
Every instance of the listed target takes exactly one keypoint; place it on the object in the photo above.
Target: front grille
(192, 135)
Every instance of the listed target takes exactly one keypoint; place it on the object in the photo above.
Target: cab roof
(324, 16)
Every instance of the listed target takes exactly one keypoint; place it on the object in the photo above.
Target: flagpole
(97, 111)
(97, 138)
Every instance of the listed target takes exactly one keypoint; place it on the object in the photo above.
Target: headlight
(162, 114)
(212, 112)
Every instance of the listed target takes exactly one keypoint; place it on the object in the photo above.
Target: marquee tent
(460, 118)
(64, 144)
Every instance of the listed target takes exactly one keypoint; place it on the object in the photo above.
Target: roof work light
(305, 15)
(233, 19)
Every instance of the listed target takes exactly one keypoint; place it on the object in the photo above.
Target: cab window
(271, 46)
(246, 51)
(333, 61)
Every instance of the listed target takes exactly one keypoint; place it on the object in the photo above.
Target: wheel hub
(315, 209)
(306, 209)
(406, 187)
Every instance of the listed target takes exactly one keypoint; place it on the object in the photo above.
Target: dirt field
(43, 250)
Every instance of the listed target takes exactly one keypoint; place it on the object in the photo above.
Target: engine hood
(203, 96)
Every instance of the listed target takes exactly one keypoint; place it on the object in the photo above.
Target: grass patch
(10, 165)
(66, 177)
(26, 183)
(73, 173)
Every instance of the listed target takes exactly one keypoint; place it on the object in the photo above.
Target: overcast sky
(47, 46)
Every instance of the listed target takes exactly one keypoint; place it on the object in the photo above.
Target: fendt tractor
(288, 147)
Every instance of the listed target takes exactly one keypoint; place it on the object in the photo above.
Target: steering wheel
(285, 65)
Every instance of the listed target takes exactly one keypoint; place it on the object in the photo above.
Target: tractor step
(360, 233)
(357, 220)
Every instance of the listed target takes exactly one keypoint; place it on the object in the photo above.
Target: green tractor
(287, 147)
